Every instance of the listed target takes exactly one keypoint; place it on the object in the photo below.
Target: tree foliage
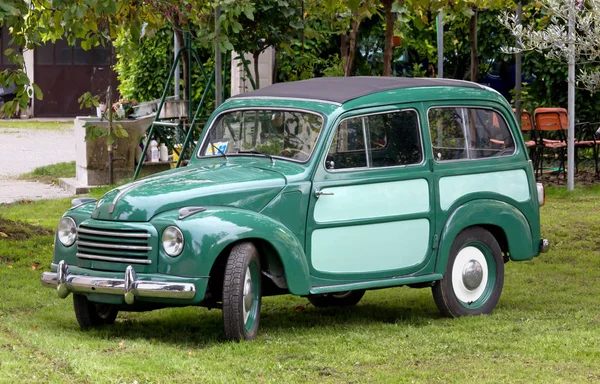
(90, 23)
(274, 23)
(312, 38)
(549, 33)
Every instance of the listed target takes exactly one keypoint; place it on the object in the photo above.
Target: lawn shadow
(201, 328)
(366, 313)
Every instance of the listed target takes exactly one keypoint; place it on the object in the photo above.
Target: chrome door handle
(318, 193)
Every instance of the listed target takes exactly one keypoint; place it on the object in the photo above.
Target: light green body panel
(208, 233)
(372, 200)
(512, 184)
(493, 213)
(390, 246)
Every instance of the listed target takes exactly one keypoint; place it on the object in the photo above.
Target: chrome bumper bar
(129, 287)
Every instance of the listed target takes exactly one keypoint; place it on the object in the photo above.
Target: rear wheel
(242, 293)
(90, 314)
(340, 299)
(474, 275)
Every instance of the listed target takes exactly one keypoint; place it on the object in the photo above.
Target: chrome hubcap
(469, 274)
(248, 294)
(472, 274)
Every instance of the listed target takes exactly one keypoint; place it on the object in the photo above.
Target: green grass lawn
(30, 124)
(545, 329)
(51, 173)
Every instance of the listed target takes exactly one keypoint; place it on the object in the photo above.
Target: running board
(392, 282)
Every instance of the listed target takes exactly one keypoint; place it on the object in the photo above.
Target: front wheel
(90, 314)
(339, 299)
(242, 293)
(474, 275)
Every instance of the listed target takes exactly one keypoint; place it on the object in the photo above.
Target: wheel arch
(270, 262)
(504, 221)
(280, 252)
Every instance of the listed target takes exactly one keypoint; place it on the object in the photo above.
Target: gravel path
(23, 150)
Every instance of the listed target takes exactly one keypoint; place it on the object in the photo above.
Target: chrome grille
(122, 246)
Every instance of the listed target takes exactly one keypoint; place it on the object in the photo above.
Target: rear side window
(375, 141)
(468, 133)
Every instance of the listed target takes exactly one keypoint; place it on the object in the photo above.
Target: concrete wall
(29, 67)
(266, 61)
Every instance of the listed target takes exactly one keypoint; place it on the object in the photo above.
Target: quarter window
(393, 140)
(469, 133)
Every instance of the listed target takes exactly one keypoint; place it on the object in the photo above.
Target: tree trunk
(354, 25)
(344, 48)
(389, 33)
(255, 56)
(473, 41)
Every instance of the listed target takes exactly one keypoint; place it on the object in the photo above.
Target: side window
(348, 146)
(468, 133)
(489, 135)
(447, 133)
(393, 140)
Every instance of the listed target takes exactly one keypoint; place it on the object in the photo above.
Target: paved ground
(23, 150)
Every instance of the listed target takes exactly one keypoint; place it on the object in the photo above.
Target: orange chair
(583, 130)
(551, 124)
(528, 128)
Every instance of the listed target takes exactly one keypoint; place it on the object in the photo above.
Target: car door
(370, 212)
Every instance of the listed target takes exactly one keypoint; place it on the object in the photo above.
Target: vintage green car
(321, 188)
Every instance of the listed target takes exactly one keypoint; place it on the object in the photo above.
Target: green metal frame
(193, 115)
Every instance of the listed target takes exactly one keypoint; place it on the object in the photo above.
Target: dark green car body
(319, 229)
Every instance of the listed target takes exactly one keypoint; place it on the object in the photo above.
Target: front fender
(487, 212)
(208, 233)
(79, 213)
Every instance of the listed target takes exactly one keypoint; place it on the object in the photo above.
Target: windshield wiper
(255, 152)
(218, 150)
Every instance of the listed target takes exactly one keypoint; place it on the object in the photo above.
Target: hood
(234, 185)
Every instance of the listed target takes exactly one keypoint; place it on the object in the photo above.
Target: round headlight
(67, 231)
(172, 241)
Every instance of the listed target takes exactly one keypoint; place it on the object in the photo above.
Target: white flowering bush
(553, 38)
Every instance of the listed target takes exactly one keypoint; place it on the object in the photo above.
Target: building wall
(239, 78)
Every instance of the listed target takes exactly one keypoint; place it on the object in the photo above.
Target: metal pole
(110, 147)
(440, 43)
(218, 63)
(177, 75)
(571, 100)
(188, 44)
(518, 68)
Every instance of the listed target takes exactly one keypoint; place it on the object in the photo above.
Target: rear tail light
(541, 192)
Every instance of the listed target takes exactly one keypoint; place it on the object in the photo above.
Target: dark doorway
(64, 73)
(6, 91)
(4, 45)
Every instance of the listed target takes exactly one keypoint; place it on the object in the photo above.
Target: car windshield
(285, 134)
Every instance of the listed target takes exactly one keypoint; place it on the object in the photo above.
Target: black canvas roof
(343, 89)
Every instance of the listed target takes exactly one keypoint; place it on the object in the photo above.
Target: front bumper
(129, 287)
